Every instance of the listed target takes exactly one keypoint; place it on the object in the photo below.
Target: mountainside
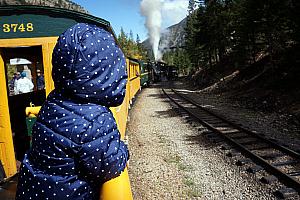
(171, 37)
(174, 35)
(54, 3)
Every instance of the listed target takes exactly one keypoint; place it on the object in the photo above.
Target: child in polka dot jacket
(76, 145)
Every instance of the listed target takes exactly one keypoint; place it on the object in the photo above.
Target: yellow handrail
(32, 111)
(117, 188)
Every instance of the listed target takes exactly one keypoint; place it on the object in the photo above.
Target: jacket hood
(89, 66)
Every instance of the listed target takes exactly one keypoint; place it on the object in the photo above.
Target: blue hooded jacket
(76, 145)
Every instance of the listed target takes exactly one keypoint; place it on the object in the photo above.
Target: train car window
(26, 61)
(134, 69)
(25, 86)
(131, 70)
(14, 68)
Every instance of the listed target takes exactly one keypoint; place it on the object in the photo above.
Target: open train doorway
(25, 86)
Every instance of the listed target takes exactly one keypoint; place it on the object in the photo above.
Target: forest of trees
(242, 32)
(131, 47)
(233, 32)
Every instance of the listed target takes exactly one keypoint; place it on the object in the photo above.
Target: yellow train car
(132, 87)
(28, 35)
(134, 77)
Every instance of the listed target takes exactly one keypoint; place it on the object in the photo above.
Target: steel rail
(283, 177)
(279, 147)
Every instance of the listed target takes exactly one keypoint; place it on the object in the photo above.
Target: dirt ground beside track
(170, 159)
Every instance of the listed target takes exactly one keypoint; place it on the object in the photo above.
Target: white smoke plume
(164, 44)
(160, 13)
(151, 9)
(173, 11)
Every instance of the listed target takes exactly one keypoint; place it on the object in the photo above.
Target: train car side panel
(120, 114)
(134, 77)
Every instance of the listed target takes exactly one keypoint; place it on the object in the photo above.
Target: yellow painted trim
(7, 153)
(47, 60)
(17, 42)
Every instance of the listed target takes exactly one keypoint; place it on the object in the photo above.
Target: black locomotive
(161, 71)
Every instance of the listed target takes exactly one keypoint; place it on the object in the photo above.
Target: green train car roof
(26, 21)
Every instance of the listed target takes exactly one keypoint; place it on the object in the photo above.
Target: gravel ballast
(170, 159)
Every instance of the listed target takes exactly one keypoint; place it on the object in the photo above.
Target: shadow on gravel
(156, 96)
(200, 140)
(166, 114)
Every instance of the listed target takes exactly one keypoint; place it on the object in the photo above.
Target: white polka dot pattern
(76, 145)
(88, 60)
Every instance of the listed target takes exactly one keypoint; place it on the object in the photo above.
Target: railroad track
(280, 161)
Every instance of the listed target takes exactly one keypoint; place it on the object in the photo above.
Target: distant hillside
(171, 37)
(54, 3)
(174, 35)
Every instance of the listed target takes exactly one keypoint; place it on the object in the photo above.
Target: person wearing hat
(40, 81)
(23, 85)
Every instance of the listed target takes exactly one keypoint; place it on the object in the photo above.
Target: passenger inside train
(23, 84)
(40, 80)
(12, 83)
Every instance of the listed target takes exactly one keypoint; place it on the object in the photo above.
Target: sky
(127, 14)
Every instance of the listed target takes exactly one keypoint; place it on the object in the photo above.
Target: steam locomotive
(161, 71)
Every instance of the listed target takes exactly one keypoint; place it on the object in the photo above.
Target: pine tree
(138, 40)
(131, 35)
(191, 6)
